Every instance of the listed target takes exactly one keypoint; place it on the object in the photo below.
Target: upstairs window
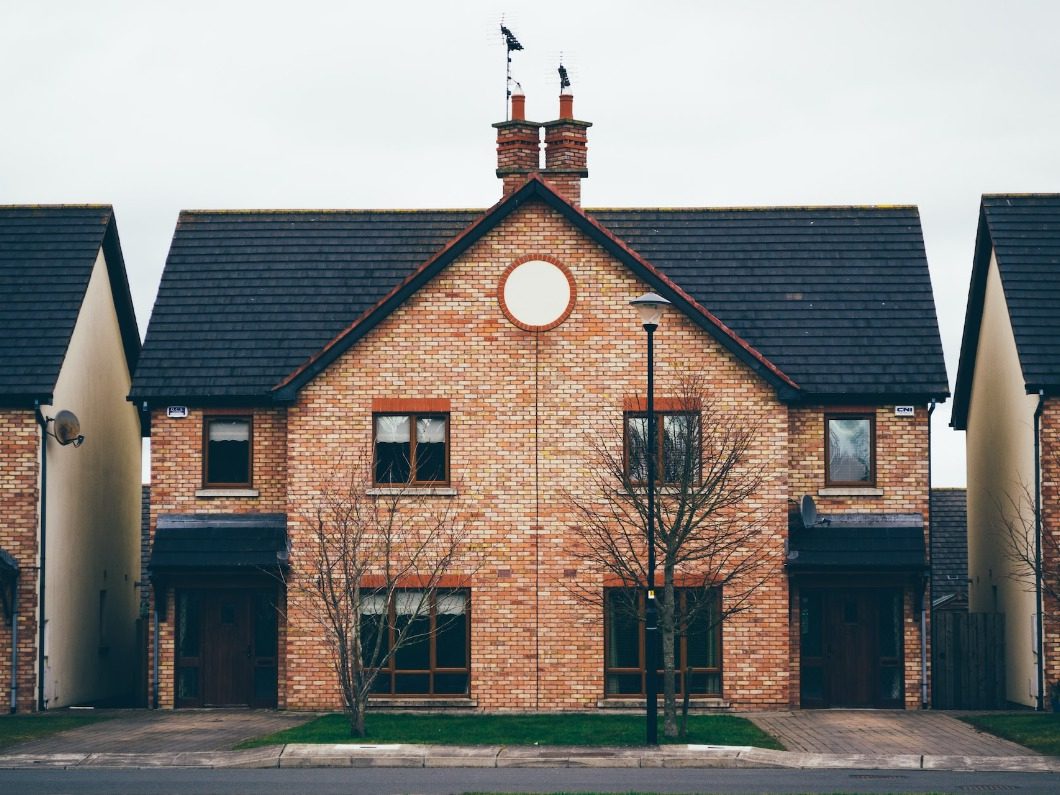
(677, 447)
(850, 450)
(411, 449)
(227, 452)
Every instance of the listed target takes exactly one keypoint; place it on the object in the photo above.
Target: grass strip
(1037, 731)
(552, 729)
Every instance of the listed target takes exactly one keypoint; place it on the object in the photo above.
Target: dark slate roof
(46, 259)
(246, 297)
(838, 298)
(1024, 231)
(858, 542)
(949, 542)
(219, 541)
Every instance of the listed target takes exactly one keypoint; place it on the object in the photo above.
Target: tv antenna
(511, 45)
(564, 79)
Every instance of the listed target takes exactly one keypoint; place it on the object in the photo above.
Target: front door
(851, 647)
(226, 647)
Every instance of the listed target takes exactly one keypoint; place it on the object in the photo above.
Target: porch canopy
(208, 544)
(858, 542)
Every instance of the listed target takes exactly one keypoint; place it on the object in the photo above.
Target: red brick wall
(19, 498)
(523, 408)
(901, 462)
(176, 476)
(1050, 454)
(902, 477)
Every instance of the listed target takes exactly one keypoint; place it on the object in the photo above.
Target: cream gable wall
(93, 516)
(1000, 441)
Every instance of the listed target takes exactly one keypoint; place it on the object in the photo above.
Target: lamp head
(650, 308)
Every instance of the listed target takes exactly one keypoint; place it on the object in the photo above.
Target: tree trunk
(666, 626)
(359, 705)
(685, 703)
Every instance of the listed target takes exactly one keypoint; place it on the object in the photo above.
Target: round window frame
(506, 310)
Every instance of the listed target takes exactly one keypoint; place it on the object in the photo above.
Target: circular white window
(536, 295)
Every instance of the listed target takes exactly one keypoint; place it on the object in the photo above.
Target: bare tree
(372, 568)
(709, 531)
(1017, 517)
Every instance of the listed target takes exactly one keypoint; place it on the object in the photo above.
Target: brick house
(69, 343)
(280, 341)
(1007, 399)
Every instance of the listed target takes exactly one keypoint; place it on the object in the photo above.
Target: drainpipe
(43, 422)
(14, 646)
(925, 599)
(154, 657)
(1039, 624)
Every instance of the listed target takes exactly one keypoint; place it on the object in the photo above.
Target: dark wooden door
(850, 642)
(228, 653)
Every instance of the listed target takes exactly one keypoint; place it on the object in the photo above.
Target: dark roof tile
(47, 254)
(838, 298)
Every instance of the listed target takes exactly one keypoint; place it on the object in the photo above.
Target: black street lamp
(650, 307)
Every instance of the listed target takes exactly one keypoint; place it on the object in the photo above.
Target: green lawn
(517, 730)
(1038, 731)
(19, 728)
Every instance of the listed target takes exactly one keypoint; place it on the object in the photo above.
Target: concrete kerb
(405, 755)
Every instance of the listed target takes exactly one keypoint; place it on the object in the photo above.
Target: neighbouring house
(70, 470)
(1007, 399)
(949, 549)
(282, 342)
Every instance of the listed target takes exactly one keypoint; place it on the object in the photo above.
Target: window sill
(412, 491)
(700, 704)
(423, 702)
(226, 493)
(850, 491)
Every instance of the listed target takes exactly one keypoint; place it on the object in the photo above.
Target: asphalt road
(381, 781)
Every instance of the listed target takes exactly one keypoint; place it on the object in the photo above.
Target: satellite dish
(67, 428)
(808, 510)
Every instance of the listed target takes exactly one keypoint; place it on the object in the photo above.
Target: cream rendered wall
(93, 520)
(1000, 443)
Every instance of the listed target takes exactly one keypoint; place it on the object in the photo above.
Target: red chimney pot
(518, 107)
(566, 106)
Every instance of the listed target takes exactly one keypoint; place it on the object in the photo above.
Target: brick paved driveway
(835, 731)
(141, 731)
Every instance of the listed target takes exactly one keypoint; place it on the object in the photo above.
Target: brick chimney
(518, 146)
(565, 151)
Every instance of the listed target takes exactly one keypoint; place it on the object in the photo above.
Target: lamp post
(650, 308)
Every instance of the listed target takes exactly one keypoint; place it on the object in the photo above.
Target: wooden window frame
(412, 482)
(391, 672)
(850, 415)
(209, 417)
(660, 441)
(718, 670)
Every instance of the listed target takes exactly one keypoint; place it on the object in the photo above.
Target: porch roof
(852, 542)
(219, 541)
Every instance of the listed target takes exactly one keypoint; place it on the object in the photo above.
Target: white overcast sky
(156, 107)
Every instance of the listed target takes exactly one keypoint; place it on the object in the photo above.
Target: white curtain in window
(373, 605)
(430, 430)
(452, 604)
(392, 429)
(408, 603)
(229, 431)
